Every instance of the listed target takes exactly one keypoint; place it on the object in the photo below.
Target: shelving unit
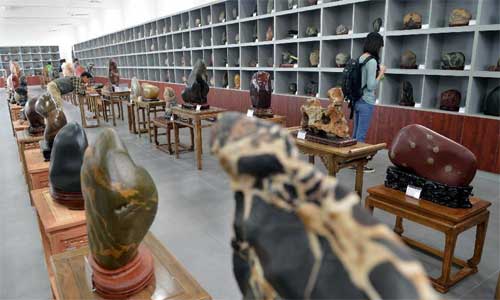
(31, 59)
(231, 37)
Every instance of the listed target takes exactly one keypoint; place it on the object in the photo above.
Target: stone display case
(31, 58)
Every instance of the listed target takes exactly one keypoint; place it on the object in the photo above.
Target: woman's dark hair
(372, 45)
(86, 74)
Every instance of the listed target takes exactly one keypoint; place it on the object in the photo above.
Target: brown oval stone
(451, 164)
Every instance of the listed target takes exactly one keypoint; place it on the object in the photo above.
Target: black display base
(150, 100)
(194, 105)
(263, 112)
(328, 139)
(36, 131)
(442, 194)
(46, 149)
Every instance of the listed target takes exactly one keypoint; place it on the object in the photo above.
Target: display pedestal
(194, 105)
(73, 275)
(37, 169)
(46, 149)
(72, 200)
(14, 112)
(20, 125)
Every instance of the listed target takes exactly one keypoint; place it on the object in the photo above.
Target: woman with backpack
(372, 72)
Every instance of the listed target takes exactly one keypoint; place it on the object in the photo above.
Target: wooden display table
(450, 221)
(20, 125)
(149, 111)
(276, 119)
(26, 141)
(73, 276)
(14, 112)
(61, 229)
(37, 169)
(337, 158)
(194, 119)
(132, 128)
(168, 125)
(93, 105)
(110, 98)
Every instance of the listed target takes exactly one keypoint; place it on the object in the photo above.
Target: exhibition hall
(250, 149)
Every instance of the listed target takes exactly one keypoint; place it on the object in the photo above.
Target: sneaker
(368, 170)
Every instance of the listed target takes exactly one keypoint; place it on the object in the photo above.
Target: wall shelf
(31, 59)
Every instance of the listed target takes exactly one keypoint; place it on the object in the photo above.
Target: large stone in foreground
(433, 156)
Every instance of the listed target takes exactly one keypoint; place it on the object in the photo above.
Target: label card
(256, 65)
(319, 34)
(461, 110)
(223, 20)
(467, 67)
(382, 29)
(319, 2)
(198, 107)
(250, 113)
(295, 65)
(418, 104)
(350, 32)
(172, 118)
(301, 135)
(237, 17)
(199, 25)
(413, 191)
(272, 11)
(421, 67)
(227, 65)
(473, 22)
(254, 14)
(294, 6)
(225, 43)
(294, 36)
(256, 40)
(317, 95)
(425, 26)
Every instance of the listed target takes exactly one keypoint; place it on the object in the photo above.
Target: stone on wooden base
(72, 200)
(329, 139)
(124, 281)
(46, 149)
(263, 112)
(194, 105)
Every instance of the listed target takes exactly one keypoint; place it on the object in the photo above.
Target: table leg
(311, 159)
(169, 141)
(113, 113)
(398, 227)
(358, 186)
(82, 114)
(479, 244)
(198, 145)
(176, 140)
(449, 249)
(149, 126)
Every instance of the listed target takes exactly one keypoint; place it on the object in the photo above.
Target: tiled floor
(194, 219)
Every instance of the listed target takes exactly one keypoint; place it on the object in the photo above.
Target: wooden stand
(194, 119)
(14, 112)
(276, 119)
(132, 128)
(450, 221)
(61, 229)
(172, 281)
(93, 106)
(110, 99)
(26, 141)
(337, 158)
(161, 122)
(149, 111)
(37, 169)
(20, 125)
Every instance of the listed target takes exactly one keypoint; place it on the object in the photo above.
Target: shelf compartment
(176, 25)
(262, 7)
(186, 55)
(232, 10)
(282, 5)
(392, 84)
(489, 12)
(329, 80)
(177, 38)
(309, 18)
(245, 78)
(335, 16)
(395, 46)
(284, 24)
(304, 78)
(441, 10)
(232, 33)
(398, 9)
(330, 49)
(185, 20)
(219, 76)
(162, 43)
(248, 32)
(233, 57)
(151, 45)
(248, 8)
(196, 55)
(365, 13)
(205, 16)
(171, 75)
(280, 48)
(170, 42)
(150, 30)
(305, 49)
(152, 60)
(444, 43)
(179, 76)
(138, 33)
(219, 35)
(249, 56)
(186, 43)
(435, 85)
(170, 57)
(262, 26)
(266, 56)
(193, 16)
(480, 88)
(161, 26)
(283, 80)
(207, 37)
(178, 59)
(208, 57)
(488, 50)
(164, 77)
(231, 75)
(218, 11)
(220, 57)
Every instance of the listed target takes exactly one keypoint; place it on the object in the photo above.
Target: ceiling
(52, 15)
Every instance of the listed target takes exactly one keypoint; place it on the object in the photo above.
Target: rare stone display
(292, 3)
(452, 61)
(236, 80)
(113, 74)
(35, 120)
(170, 99)
(450, 100)
(311, 88)
(299, 234)
(311, 31)
(222, 16)
(269, 33)
(260, 94)
(341, 59)
(406, 94)
(135, 89)
(495, 68)
(149, 92)
(288, 59)
(121, 201)
(377, 24)
(427, 159)
(21, 95)
(412, 20)
(65, 166)
(54, 118)
(292, 88)
(459, 17)
(491, 103)
(197, 88)
(341, 29)
(408, 60)
(314, 58)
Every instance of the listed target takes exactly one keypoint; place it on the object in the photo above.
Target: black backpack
(351, 81)
(491, 103)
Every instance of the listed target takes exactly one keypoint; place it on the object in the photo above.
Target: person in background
(13, 80)
(77, 67)
(61, 62)
(67, 70)
(372, 73)
(65, 85)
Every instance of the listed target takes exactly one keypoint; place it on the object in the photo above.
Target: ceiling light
(78, 14)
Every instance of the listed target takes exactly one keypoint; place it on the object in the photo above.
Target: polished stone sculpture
(121, 201)
(314, 58)
(341, 59)
(406, 94)
(452, 61)
(491, 103)
(341, 29)
(260, 94)
(450, 100)
(269, 33)
(311, 31)
(113, 74)
(171, 100)
(299, 234)
(412, 20)
(197, 88)
(292, 88)
(35, 120)
(408, 60)
(441, 166)
(197, 22)
(377, 24)
(288, 59)
(65, 166)
(311, 88)
(459, 17)
(21, 95)
(54, 118)
(149, 92)
(236, 80)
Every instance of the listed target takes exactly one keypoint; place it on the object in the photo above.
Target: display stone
(35, 120)
(269, 33)
(341, 29)
(55, 119)
(491, 103)
(377, 23)
(197, 88)
(406, 94)
(311, 31)
(450, 100)
(113, 74)
(291, 3)
(453, 61)
(120, 208)
(237, 81)
(260, 94)
(222, 16)
(21, 95)
(495, 68)
(149, 92)
(314, 58)
(326, 125)
(341, 59)
(459, 17)
(270, 6)
(292, 87)
(311, 88)
(135, 89)
(299, 234)
(408, 60)
(65, 166)
(412, 20)
(441, 167)
(170, 99)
